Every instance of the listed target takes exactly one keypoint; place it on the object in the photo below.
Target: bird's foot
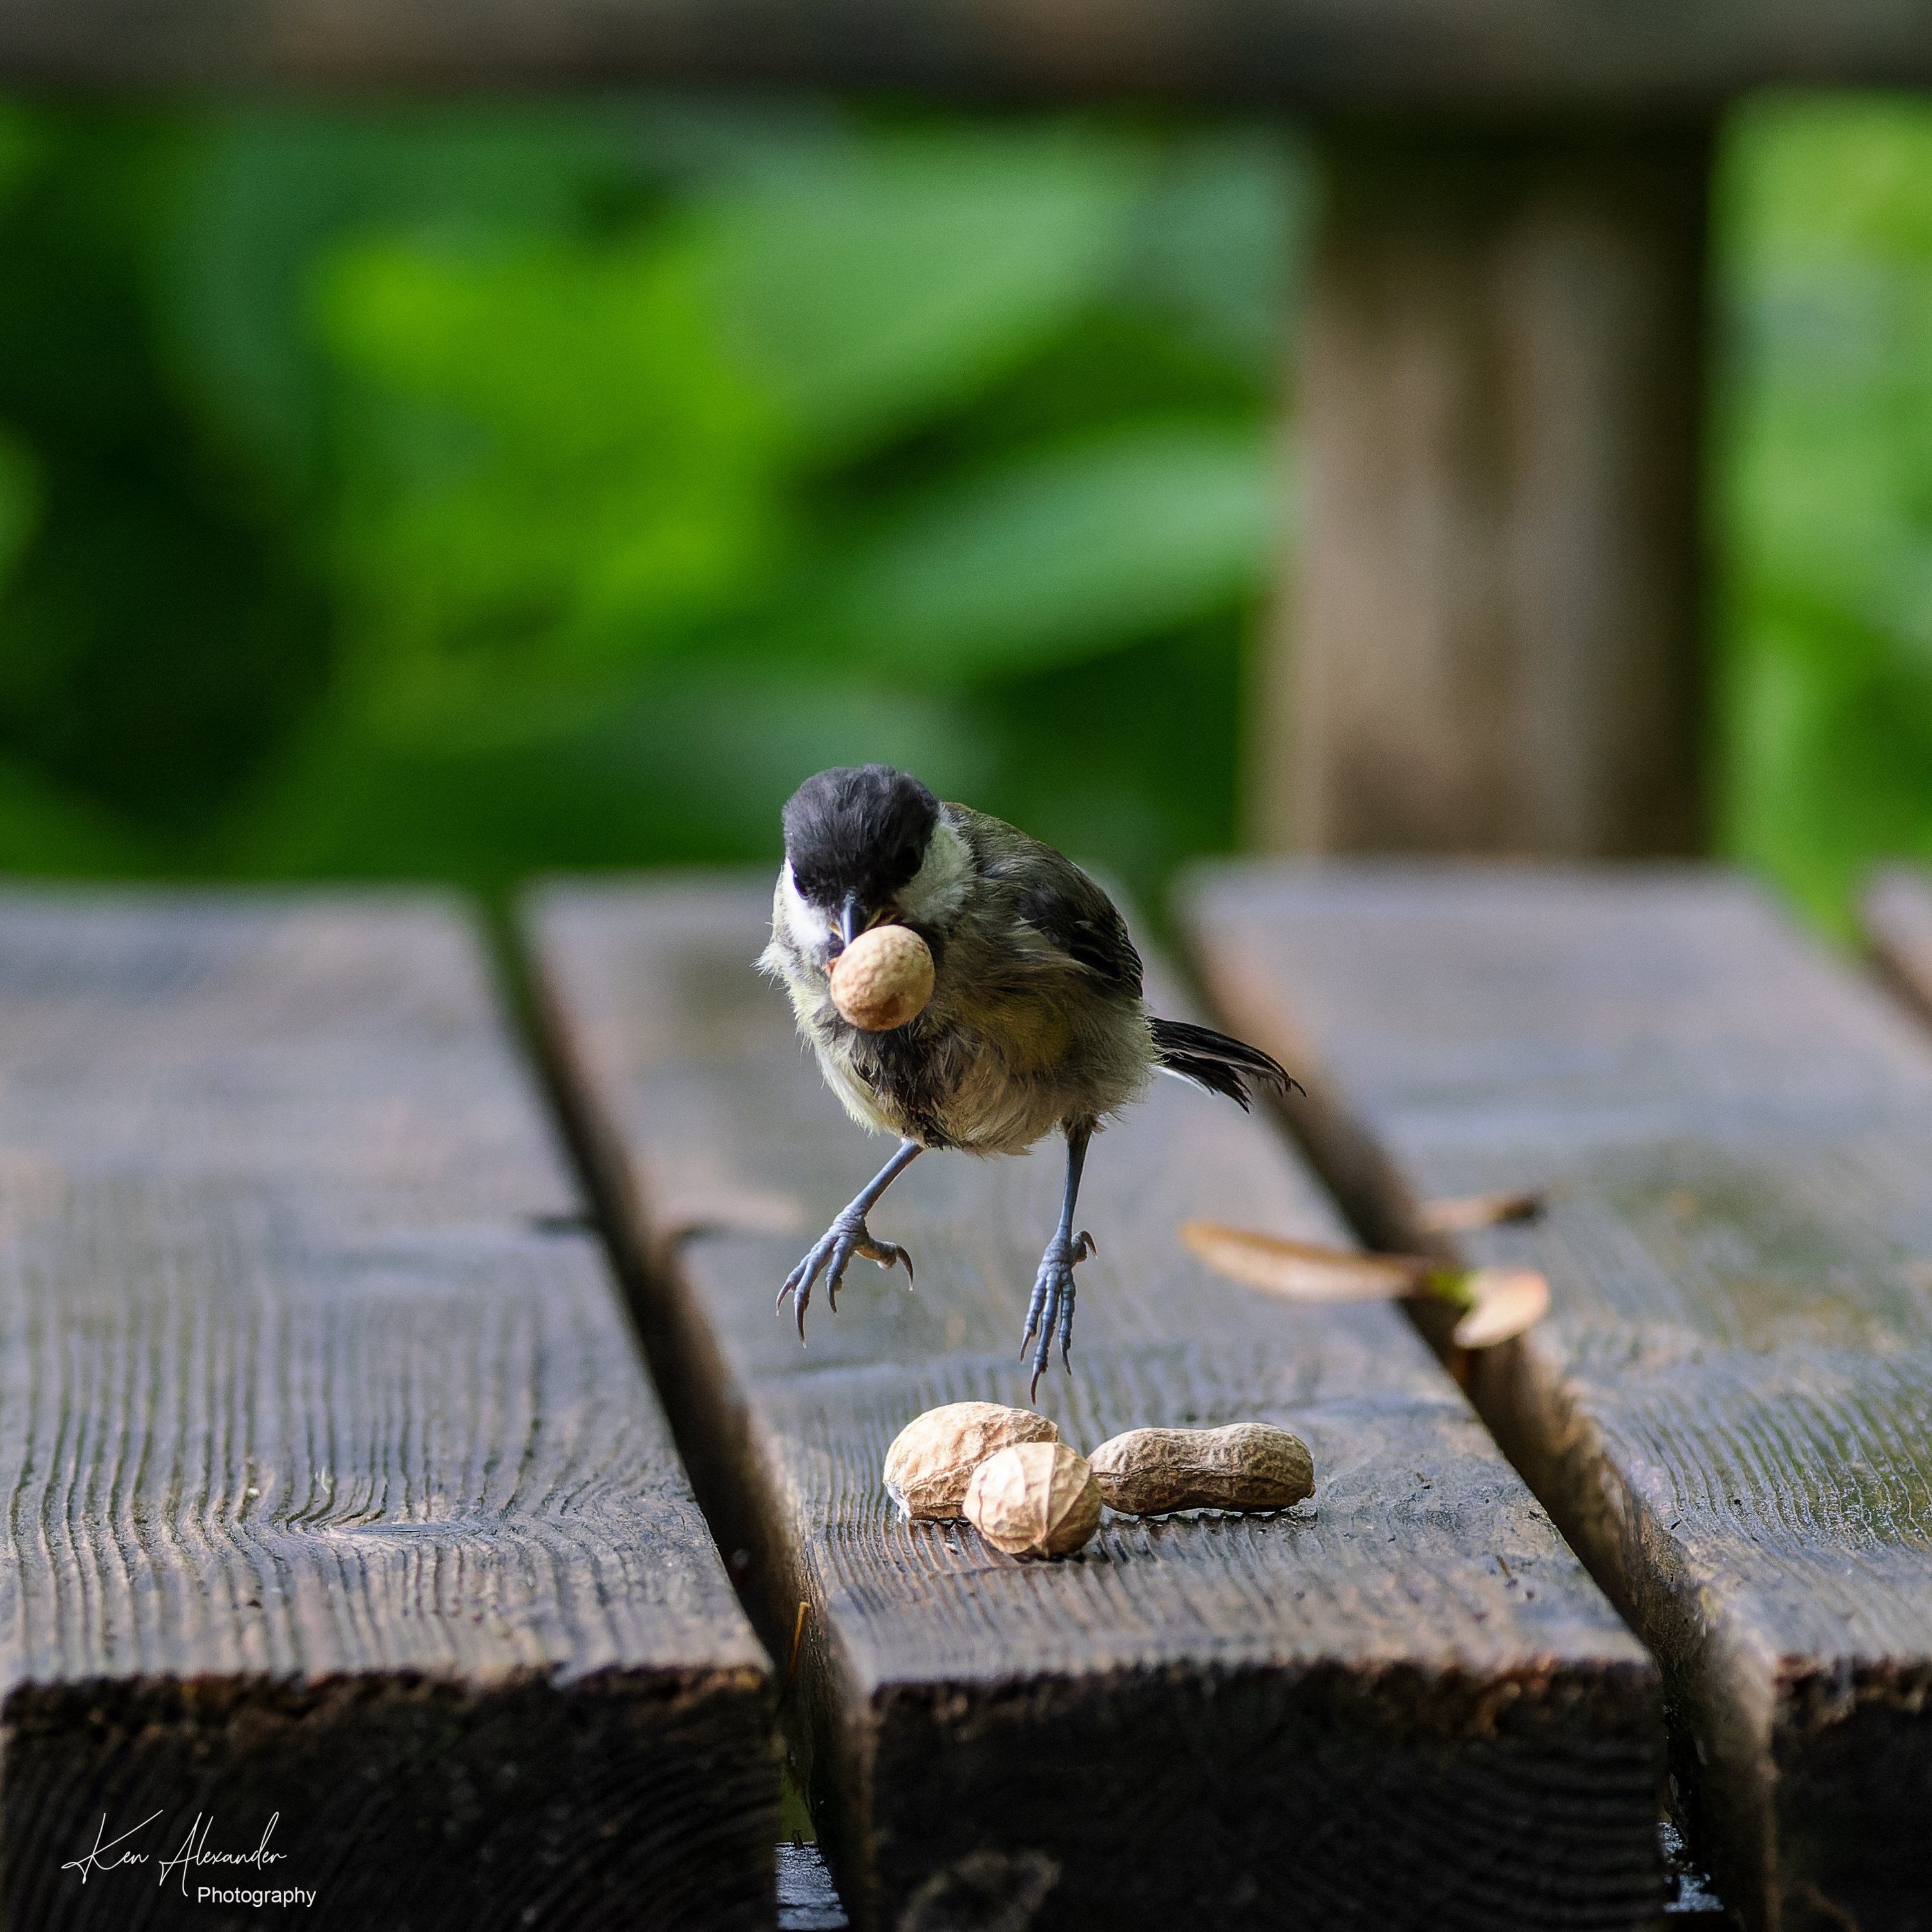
(847, 1236)
(1051, 1310)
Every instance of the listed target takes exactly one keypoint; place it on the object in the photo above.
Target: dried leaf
(1302, 1271)
(1506, 1301)
(1479, 1210)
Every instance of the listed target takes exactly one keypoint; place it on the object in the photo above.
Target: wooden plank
(1727, 1408)
(1493, 640)
(1460, 58)
(335, 1494)
(1402, 1705)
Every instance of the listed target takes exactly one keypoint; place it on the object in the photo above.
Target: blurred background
(464, 490)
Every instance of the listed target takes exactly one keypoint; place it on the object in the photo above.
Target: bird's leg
(1051, 1310)
(847, 1236)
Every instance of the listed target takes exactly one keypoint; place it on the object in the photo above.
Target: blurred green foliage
(1823, 479)
(466, 491)
(463, 491)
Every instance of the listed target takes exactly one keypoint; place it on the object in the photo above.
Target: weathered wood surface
(1492, 639)
(335, 1491)
(1727, 1408)
(1402, 1704)
(1454, 56)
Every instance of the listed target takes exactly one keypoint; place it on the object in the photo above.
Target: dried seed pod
(1496, 1303)
(1034, 1499)
(883, 979)
(1303, 1270)
(933, 1457)
(1502, 1302)
(1480, 1210)
(1247, 1465)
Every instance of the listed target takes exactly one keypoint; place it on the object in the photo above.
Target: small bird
(1036, 1022)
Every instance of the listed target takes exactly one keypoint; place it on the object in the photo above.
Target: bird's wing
(1057, 900)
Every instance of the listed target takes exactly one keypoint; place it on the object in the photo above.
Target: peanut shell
(933, 1457)
(1034, 1499)
(1246, 1465)
(884, 978)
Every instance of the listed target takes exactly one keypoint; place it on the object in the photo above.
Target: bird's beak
(851, 921)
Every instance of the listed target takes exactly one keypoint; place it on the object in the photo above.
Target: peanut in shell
(884, 978)
(1034, 1499)
(1246, 1465)
(933, 1457)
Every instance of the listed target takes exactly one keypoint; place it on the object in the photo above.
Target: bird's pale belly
(956, 1088)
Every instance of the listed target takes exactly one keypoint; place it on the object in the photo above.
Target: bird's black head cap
(858, 830)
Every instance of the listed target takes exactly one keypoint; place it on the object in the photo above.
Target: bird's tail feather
(1215, 1062)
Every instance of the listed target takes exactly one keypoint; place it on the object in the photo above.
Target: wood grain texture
(1492, 642)
(1401, 1704)
(1727, 1407)
(334, 1487)
(1459, 57)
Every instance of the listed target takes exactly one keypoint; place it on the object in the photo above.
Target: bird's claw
(830, 1256)
(1050, 1312)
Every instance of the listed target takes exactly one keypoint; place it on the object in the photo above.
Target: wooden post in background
(1491, 640)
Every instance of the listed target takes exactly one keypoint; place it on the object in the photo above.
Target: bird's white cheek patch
(810, 928)
(938, 889)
